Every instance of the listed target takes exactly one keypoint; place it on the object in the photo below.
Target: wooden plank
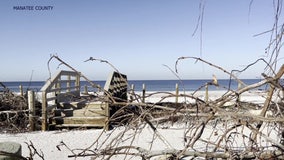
(65, 89)
(100, 121)
(98, 105)
(67, 73)
(89, 113)
(78, 125)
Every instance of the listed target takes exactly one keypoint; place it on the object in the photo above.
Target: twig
(213, 65)
(33, 151)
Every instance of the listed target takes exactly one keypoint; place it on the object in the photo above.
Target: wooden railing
(57, 89)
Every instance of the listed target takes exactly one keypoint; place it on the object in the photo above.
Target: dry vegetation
(222, 130)
(233, 133)
(13, 111)
(219, 128)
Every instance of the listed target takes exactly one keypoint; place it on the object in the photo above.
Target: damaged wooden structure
(63, 105)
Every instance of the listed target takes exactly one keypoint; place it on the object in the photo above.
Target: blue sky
(137, 36)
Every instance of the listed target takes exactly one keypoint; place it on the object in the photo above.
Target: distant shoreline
(221, 79)
(151, 85)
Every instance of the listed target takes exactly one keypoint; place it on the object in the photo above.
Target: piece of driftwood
(146, 154)
(267, 101)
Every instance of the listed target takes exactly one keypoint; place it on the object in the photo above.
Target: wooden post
(78, 81)
(143, 93)
(21, 90)
(132, 92)
(206, 93)
(44, 112)
(68, 85)
(240, 86)
(31, 103)
(58, 86)
(132, 88)
(99, 88)
(177, 92)
(86, 89)
(107, 115)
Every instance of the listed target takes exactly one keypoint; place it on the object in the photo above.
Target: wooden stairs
(87, 114)
(63, 105)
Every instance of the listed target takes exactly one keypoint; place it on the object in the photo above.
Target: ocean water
(150, 85)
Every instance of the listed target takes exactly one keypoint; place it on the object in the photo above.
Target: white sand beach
(252, 96)
(50, 143)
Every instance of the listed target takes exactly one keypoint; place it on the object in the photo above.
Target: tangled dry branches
(13, 111)
(224, 127)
